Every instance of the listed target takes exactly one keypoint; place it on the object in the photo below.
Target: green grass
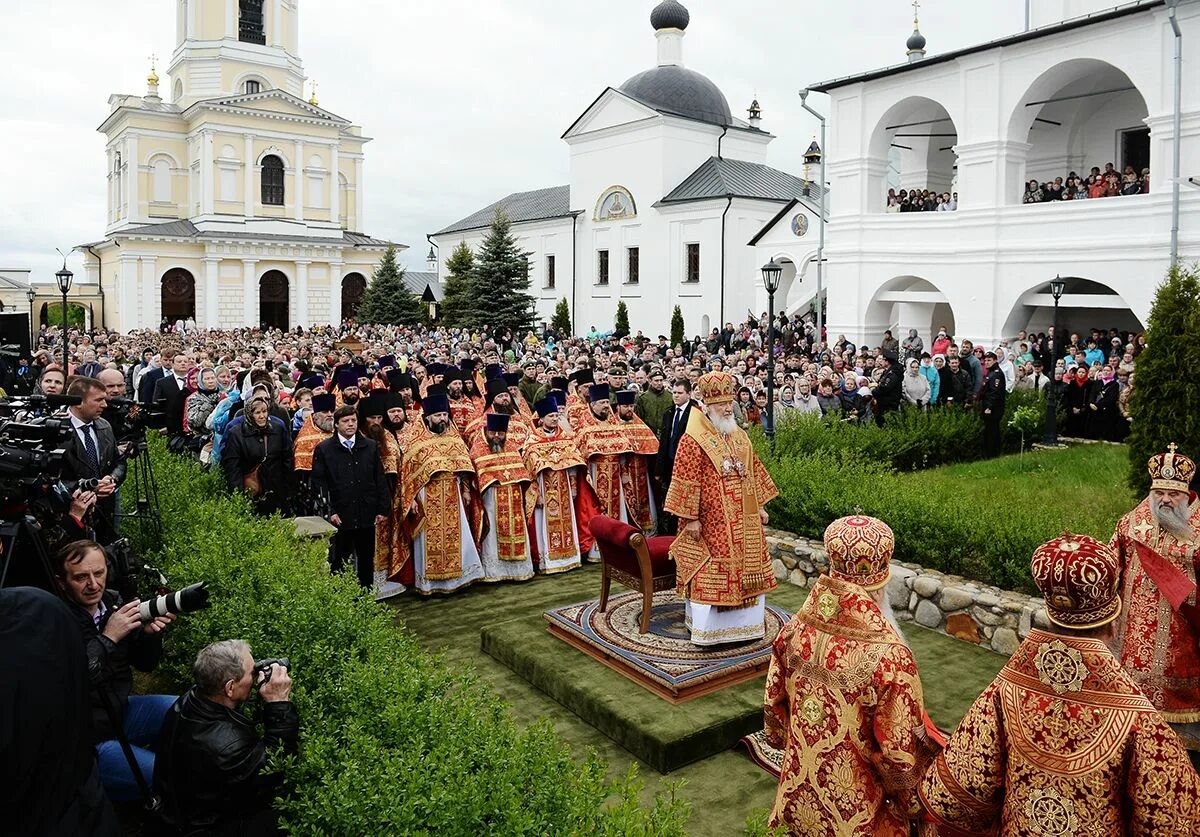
(722, 789)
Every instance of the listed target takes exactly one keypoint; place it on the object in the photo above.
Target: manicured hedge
(392, 741)
(909, 440)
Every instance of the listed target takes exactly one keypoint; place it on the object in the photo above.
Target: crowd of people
(1096, 184)
(920, 200)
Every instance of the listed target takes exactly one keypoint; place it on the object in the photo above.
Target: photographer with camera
(118, 639)
(91, 453)
(212, 774)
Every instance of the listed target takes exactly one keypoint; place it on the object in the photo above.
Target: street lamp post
(1057, 286)
(31, 295)
(64, 278)
(771, 272)
(821, 219)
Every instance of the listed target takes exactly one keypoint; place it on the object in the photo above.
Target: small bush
(392, 741)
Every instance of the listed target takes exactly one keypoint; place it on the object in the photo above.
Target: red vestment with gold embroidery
(386, 561)
(1063, 742)
(306, 442)
(505, 472)
(602, 444)
(555, 462)
(518, 429)
(1159, 648)
(439, 464)
(635, 473)
(844, 703)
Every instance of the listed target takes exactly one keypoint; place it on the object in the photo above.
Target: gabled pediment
(611, 108)
(272, 101)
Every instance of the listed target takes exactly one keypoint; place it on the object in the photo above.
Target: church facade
(233, 201)
(670, 202)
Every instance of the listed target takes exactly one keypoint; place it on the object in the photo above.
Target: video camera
(130, 420)
(32, 444)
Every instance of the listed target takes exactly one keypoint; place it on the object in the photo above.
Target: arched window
(250, 22)
(252, 86)
(272, 181)
(162, 180)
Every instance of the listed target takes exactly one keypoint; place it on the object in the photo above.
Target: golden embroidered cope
(505, 472)
(436, 463)
(555, 458)
(385, 533)
(1159, 648)
(1063, 743)
(844, 703)
(719, 481)
(518, 429)
(602, 444)
(635, 473)
(306, 443)
(462, 413)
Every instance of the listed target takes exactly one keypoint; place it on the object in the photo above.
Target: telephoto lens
(192, 597)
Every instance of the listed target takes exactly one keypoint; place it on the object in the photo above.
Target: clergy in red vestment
(636, 483)
(559, 475)
(502, 479)
(844, 700)
(500, 402)
(1063, 742)
(602, 444)
(373, 411)
(462, 408)
(719, 489)
(1159, 630)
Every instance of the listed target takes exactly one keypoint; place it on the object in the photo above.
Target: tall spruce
(500, 295)
(676, 327)
(621, 322)
(387, 299)
(561, 323)
(1166, 393)
(456, 290)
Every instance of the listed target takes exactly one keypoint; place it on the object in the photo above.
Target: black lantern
(771, 273)
(1050, 364)
(64, 278)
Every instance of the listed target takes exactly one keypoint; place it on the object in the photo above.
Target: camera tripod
(16, 536)
(141, 488)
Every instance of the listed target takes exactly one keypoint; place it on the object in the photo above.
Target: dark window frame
(252, 85)
(550, 277)
(274, 180)
(691, 274)
(602, 267)
(252, 24)
(633, 265)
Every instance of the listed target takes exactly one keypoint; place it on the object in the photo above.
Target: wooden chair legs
(647, 602)
(605, 584)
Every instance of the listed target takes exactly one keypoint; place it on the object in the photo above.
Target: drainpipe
(1177, 130)
(1028, 3)
(820, 220)
(724, 131)
(574, 270)
(728, 204)
(99, 282)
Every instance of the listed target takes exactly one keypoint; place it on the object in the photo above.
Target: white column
(206, 173)
(276, 28)
(359, 224)
(191, 22)
(248, 175)
(147, 294)
(298, 188)
(231, 20)
(250, 306)
(302, 318)
(335, 189)
(212, 282)
(335, 292)
(133, 196)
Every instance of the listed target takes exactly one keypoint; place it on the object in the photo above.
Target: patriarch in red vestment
(1063, 742)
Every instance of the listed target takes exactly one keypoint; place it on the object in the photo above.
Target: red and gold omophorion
(721, 476)
(1160, 648)
(1063, 743)
(844, 703)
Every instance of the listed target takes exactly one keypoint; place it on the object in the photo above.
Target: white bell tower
(229, 47)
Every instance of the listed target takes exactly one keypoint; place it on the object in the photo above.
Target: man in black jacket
(117, 641)
(347, 469)
(992, 399)
(212, 773)
(670, 431)
(888, 391)
(91, 453)
(170, 391)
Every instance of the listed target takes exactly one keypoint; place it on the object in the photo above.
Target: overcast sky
(465, 99)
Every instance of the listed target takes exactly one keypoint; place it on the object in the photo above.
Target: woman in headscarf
(199, 405)
(257, 458)
(1076, 398)
(224, 379)
(915, 386)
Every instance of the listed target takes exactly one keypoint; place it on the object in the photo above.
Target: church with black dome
(670, 202)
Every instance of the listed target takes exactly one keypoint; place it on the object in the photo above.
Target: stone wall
(988, 616)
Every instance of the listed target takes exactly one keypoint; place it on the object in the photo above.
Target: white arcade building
(1088, 84)
(670, 202)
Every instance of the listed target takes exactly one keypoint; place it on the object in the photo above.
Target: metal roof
(719, 177)
(538, 205)
(9, 282)
(424, 285)
(1007, 40)
(678, 90)
(186, 229)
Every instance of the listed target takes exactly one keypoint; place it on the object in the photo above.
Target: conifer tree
(500, 295)
(387, 299)
(456, 290)
(561, 323)
(676, 327)
(621, 323)
(1165, 392)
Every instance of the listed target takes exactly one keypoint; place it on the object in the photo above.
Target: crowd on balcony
(1097, 184)
(921, 200)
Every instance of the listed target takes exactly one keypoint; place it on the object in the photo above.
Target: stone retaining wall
(988, 616)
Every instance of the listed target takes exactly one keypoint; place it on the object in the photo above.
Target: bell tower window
(272, 181)
(250, 22)
(252, 86)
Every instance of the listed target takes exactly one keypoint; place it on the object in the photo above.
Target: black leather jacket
(209, 767)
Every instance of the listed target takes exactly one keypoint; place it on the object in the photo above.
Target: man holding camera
(91, 452)
(117, 641)
(211, 768)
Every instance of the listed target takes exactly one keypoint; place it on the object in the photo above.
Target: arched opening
(1078, 116)
(916, 139)
(354, 285)
(178, 289)
(908, 302)
(51, 315)
(1084, 305)
(272, 181)
(273, 300)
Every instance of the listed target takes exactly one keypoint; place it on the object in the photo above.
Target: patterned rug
(664, 660)
(762, 753)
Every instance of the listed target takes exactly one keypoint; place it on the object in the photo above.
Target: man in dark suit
(151, 376)
(170, 392)
(347, 469)
(91, 453)
(674, 423)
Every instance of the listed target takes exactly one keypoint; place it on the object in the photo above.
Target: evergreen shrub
(392, 741)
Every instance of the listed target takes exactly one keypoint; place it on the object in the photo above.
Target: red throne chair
(630, 558)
